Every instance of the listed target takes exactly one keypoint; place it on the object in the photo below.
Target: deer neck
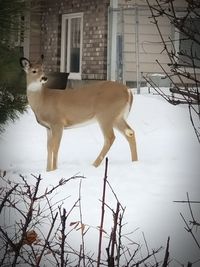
(35, 96)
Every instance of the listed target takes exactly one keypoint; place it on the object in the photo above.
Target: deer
(104, 102)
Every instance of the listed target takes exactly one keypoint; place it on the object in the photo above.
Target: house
(72, 35)
(97, 40)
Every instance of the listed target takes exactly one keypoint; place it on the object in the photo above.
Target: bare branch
(102, 213)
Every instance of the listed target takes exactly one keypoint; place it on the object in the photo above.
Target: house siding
(94, 53)
(140, 55)
(142, 45)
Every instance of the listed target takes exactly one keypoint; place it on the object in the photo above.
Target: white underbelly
(81, 124)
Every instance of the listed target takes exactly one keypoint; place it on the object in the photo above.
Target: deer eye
(34, 71)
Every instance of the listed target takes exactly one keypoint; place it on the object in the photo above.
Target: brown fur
(105, 102)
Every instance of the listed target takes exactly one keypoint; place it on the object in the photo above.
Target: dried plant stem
(82, 247)
(47, 240)
(102, 214)
(166, 258)
(28, 219)
(63, 237)
(189, 229)
(111, 254)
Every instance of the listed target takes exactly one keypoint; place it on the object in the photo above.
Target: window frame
(66, 44)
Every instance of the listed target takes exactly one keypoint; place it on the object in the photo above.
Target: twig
(5, 199)
(119, 238)
(191, 212)
(29, 215)
(188, 229)
(186, 201)
(61, 183)
(111, 255)
(102, 214)
(82, 250)
(63, 237)
(46, 241)
(147, 257)
(166, 258)
(145, 243)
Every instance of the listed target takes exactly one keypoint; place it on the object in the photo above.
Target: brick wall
(94, 54)
(35, 33)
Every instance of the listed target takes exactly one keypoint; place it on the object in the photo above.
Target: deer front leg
(49, 150)
(54, 136)
(109, 138)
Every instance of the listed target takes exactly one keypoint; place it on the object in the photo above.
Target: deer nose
(43, 79)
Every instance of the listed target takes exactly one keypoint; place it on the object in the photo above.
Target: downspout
(112, 34)
(137, 51)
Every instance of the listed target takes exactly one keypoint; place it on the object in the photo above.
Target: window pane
(75, 45)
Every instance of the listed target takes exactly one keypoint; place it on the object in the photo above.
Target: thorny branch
(40, 233)
(102, 214)
(190, 224)
(17, 232)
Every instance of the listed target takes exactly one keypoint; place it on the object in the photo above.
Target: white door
(71, 44)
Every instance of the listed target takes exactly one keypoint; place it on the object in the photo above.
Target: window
(71, 44)
(189, 49)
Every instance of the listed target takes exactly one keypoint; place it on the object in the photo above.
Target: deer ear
(25, 63)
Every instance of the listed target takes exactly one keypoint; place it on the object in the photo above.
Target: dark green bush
(12, 85)
(11, 105)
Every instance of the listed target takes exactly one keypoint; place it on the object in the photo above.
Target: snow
(168, 167)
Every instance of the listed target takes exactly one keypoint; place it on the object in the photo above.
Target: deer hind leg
(109, 138)
(54, 136)
(129, 134)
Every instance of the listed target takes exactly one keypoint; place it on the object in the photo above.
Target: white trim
(63, 42)
(65, 17)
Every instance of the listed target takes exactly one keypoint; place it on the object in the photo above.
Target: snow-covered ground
(168, 167)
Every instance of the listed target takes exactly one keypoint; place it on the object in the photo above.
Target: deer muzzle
(43, 79)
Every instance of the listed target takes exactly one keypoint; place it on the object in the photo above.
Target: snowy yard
(168, 167)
